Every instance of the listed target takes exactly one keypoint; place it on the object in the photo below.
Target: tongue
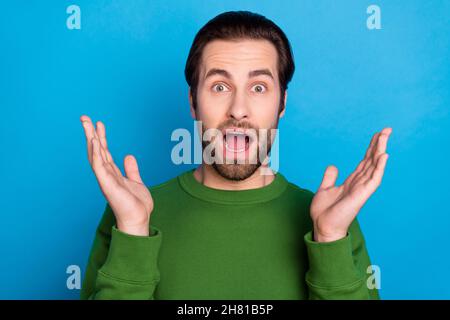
(236, 142)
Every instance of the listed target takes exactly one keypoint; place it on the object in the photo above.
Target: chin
(236, 172)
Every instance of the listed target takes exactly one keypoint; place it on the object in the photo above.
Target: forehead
(243, 54)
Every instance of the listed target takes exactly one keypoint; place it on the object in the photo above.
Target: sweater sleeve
(120, 265)
(338, 269)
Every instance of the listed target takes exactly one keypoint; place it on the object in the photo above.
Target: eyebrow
(226, 74)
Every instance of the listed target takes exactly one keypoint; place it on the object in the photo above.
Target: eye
(220, 87)
(259, 88)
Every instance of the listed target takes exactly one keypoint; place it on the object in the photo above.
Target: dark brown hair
(235, 25)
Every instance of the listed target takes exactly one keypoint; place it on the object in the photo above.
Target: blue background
(125, 67)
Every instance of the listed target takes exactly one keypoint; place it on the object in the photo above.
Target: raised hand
(334, 208)
(128, 196)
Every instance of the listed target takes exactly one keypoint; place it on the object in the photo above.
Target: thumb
(132, 169)
(329, 177)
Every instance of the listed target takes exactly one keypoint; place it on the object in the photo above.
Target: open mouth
(236, 141)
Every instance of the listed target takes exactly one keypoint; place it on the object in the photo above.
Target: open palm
(128, 196)
(333, 208)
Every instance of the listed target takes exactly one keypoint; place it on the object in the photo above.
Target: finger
(364, 162)
(369, 171)
(113, 165)
(132, 169)
(103, 171)
(96, 134)
(329, 177)
(97, 160)
(382, 143)
(379, 149)
(89, 127)
(387, 130)
(103, 153)
(351, 177)
(367, 165)
(372, 143)
(89, 133)
(356, 173)
(101, 133)
(371, 154)
(116, 168)
(378, 173)
(370, 165)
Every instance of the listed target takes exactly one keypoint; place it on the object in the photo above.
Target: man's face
(238, 94)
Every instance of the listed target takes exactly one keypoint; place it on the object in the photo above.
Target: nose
(238, 109)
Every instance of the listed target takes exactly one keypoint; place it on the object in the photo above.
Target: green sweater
(207, 243)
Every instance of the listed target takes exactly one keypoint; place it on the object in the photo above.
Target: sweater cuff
(133, 258)
(331, 263)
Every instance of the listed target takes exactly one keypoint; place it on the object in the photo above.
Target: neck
(209, 177)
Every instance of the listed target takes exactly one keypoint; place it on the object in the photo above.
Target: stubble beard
(240, 171)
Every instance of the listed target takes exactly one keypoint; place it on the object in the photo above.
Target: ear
(191, 104)
(284, 105)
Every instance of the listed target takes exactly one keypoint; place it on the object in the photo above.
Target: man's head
(238, 70)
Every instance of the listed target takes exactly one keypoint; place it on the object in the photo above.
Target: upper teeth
(236, 133)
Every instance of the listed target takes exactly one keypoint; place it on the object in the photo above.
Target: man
(231, 229)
